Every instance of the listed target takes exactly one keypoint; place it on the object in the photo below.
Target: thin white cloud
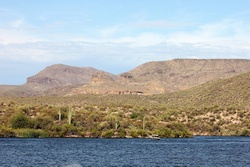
(111, 50)
(17, 23)
(109, 31)
(75, 51)
(17, 31)
(142, 40)
(8, 36)
(230, 33)
(162, 24)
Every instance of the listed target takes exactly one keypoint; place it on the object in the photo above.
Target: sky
(117, 35)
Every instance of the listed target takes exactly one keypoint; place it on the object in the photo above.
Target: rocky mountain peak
(62, 75)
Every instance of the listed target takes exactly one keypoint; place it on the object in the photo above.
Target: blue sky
(117, 35)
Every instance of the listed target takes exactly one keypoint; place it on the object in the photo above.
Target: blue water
(70, 152)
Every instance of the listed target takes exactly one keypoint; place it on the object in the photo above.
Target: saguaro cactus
(70, 114)
(116, 124)
(59, 115)
(143, 122)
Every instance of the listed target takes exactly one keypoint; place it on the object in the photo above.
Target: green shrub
(57, 131)
(122, 133)
(142, 133)
(6, 132)
(165, 132)
(134, 115)
(69, 130)
(245, 132)
(95, 132)
(179, 130)
(31, 133)
(107, 134)
(20, 120)
(43, 123)
(134, 133)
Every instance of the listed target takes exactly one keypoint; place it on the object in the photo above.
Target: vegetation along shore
(207, 97)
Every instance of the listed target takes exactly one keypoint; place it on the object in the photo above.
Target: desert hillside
(168, 76)
(218, 107)
(149, 78)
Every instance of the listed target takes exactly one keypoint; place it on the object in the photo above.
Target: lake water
(77, 152)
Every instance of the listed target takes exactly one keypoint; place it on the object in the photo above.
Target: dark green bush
(134, 115)
(31, 133)
(166, 132)
(20, 120)
(245, 132)
(142, 133)
(179, 129)
(68, 130)
(43, 123)
(6, 132)
(108, 133)
(122, 133)
(95, 132)
(134, 133)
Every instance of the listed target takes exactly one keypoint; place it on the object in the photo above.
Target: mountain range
(149, 78)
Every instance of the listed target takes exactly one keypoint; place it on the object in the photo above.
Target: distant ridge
(180, 74)
(168, 76)
(149, 78)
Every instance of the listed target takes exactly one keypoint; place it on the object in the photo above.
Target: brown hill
(182, 74)
(63, 76)
(149, 78)
(233, 91)
(169, 76)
